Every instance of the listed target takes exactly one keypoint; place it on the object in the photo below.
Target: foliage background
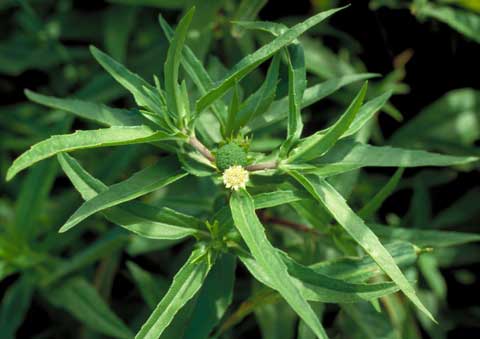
(44, 47)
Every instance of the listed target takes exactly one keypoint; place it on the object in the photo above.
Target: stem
(286, 223)
(263, 166)
(195, 143)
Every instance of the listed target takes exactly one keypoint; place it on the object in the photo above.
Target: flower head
(235, 177)
(229, 155)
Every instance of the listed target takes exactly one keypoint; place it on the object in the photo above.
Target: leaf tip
(28, 93)
(95, 51)
(10, 175)
(64, 228)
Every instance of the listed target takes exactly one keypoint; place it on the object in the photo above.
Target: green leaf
(213, 299)
(375, 202)
(276, 198)
(172, 65)
(315, 286)
(113, 136)
(465, 22)
(186, 283)
(82, 300)
(423, 238)
(145, 95)
(107, 244)
(232, 112)
(119, 22)
(279, 108)
(31, 200)
(366, 322)
(257, 103)
(262, 297)
(354, 225)
(250, 62)
(428, 265)
(151, 287)
(273, 28)
(318, 144)
(366, 112)
(319, 287)
(348, 155)
(14, 306)
(346, 268)
(363, 268)
(246, 10)
(88, 110)
(143, 182)
(303, 332)
(276, 320)
(453, 117)
(296, 87)
(268, 259)
(194, 68)
(144, 220)
(262, 200)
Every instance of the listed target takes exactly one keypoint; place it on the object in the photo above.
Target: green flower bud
(230, 155)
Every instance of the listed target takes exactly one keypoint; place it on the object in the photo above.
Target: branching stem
(195, 143)
(286, 223)
(263, 166)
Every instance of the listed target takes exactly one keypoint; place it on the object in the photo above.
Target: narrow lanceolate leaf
(31, 200)
(213, 299)
(276, 198)
(263, 200)
(144, 220)
(354, 225)
(194, 68)
(109, 243)
(279, 108)
(113, 136)
(257, 103)
(247, 10)
(366, 322)
(139, 88)
(143, 182)
(144, 94)
(232, 112)
(424, 238)
(89, 110)
(296, 87)
(253, 233)
(119, 23)
(316, 145)
(315, 286)
(348, 155)
(460, 107)
(186, 283)
(82, 300)
(172, 64)
(273, 28)
(364, 268)
(374, 203)
(190, 62)
(151, 287)
(366, 112)
(250, 62)
(14, 306)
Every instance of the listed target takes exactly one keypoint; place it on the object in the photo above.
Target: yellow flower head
(235, 177)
